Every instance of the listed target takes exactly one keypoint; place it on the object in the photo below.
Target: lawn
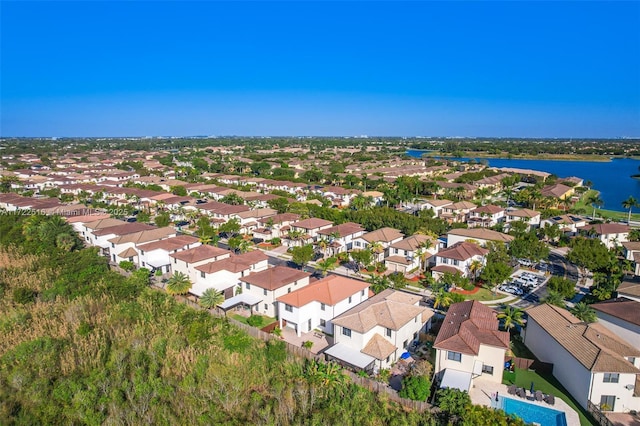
(265, 319)
(547, 384)
(604, 214)
(484, 295)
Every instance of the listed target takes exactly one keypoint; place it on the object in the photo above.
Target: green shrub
(417, 388)
(371, 268)
(127, 265)
(23, 295)
(255, 320)
(468, 286)
(308, 344)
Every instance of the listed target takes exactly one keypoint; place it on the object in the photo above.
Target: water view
(612, 178)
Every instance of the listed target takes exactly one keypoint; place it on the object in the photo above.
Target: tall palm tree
(595, 201)
(630, 203)
(211, 298)
(179, 283)
(584, 312)
(442, 298)
(554, 298)
(512, 316)
(474, 267)
(379, 283)
(326, 265)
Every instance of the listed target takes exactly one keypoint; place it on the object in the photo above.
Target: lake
(612, 178)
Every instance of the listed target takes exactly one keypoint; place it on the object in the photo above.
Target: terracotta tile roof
(523, 213)
(130, 252)
(169, 244)
(625, 309)
(557, 191)
(463, 205)
(462, 251)
(592, 345)
(446, 268)
(222, 208)
(607, 228)
(329, 290)
(87, 218)
(344, 229)
(632, 245)
(312, 223)
(468, 325)
(123, 229)
(144, 236)
(398, 259)
(439, 203)
(200, 253)
(257, 213)
(103, 223)
(630, 288)
(482, 234)
(383, 235)
(411, 243)
(280, 218)
(275, 278)
(489, 209)
(386, 309)
(379, 347)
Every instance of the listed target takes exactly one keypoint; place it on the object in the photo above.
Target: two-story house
(457, 259)
(381, 238)
(374, 334)
(592, 363)
(305, 231)
(410, 253)
(622, 316)
(275, 226)
(485, 216)
(224, 274)
(610, 234)
(530, 217)
(155, 255)
(186, 261)
(457, 212)
(340, 237)
(316, 305)
(123, 247)
(273, 283)
(469, 345)
(480, 236)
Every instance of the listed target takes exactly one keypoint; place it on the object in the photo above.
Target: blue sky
(521, 69)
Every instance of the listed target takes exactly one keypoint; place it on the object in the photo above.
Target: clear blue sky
(522, 69)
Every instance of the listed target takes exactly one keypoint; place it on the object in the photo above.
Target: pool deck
(482, 391)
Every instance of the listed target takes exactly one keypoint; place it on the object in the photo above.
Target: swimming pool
(531, 413)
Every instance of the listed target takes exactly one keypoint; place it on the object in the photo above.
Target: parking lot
(525, 283)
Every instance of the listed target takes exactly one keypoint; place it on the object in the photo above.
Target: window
(175, 260)
(611, 377)
(395, 251)
(357, 243)
(405, 343)
(202, 274)
(289, 290)
(288, 308)
(346, 331)
(349, 299)
(388, 332)
(454, 356)
(264, 291)
(607, 402)
(362, 293)
(487, 369)
(113, 245)
(455, 262)
(247, 286)
(266, 307)
(323, 323)
(322, 306)
(295, 283)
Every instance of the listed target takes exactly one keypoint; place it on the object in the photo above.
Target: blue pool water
(532, 413)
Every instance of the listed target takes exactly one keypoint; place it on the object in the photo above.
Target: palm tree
(482, 193)
(554, 298)
(323, 244)
(211, 298)
(474, 267)
(595, 201)
(179, 283)
(584, 312)
(244, 246)
(512, 317)
(630, 203)
(378, 283)
(326, 265)
(442, 298)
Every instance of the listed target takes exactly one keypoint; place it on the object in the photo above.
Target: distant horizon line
(320, 137)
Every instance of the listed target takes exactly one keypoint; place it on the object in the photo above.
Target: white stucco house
(186, 261)
(316, 305)
(155, 255)
(610, 234)
(469, 345)
(407, 254)
(480, 236)
(272, 283)
(591, 362)
(622, 317)
(375, 333)
(457, 259)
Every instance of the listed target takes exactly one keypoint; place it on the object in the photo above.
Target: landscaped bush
(127, 265)
(255, 320)
(468, 286)
(371, 268)
(417, 388)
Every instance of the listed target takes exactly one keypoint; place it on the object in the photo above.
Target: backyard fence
(365, 382)
(384, 389)
(598, 415)
(530, 364)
